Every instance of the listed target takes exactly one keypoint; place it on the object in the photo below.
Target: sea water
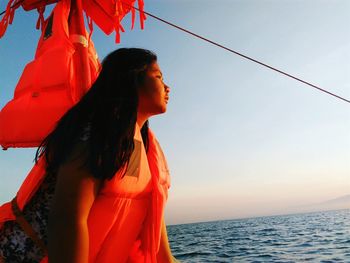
(311, 237)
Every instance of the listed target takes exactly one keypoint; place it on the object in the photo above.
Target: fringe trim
(122, 9)
(41, 19)
(8, 16)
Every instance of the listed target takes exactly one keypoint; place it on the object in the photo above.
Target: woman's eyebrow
(158, 71)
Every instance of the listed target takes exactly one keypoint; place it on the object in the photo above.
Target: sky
(240, 139)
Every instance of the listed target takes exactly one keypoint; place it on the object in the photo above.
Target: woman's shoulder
(77, 161)
(78, 153)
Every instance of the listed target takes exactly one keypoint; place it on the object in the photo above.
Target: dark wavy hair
(109, 109)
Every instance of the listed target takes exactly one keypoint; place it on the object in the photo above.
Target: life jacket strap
(75, 38)
(27, 228)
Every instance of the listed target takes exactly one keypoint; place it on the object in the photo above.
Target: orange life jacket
(126, 217)
(51, 83)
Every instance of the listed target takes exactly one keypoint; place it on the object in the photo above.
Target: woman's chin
(162, 109)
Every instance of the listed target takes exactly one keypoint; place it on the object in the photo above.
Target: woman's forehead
(154, 66)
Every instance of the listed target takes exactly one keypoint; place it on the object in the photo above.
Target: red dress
(125, 219)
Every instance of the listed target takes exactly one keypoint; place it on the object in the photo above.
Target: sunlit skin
(153, 100)
(153, 95)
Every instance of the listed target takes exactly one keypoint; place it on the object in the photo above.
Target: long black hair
(109, 110)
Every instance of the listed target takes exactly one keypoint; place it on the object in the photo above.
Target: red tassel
(91, 26)
(121, 28)
(132, 16)
(11, 15)
(40, 21)
(121, 10)
(117, 36)
(142, 14)
(7, 18)
(117, 29)
(117, 9)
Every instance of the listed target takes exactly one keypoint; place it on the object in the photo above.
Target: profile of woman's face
(154, 93)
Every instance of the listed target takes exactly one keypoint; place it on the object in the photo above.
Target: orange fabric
(108, 14)
(28, 188)
(33, 4)
(51, 83)
(8, 16)
(27, 5)
(26, 227)
(126, 218)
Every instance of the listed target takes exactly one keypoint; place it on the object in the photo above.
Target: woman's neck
(141, 119)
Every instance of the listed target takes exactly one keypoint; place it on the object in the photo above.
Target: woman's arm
(164, 253)
(75, 192)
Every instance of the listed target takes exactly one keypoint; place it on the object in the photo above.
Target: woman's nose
(167, 88)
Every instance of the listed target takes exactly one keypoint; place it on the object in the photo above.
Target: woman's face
(154, 93)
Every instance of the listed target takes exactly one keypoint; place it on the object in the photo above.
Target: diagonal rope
(242, 55)
(227, 49)
(15, 5)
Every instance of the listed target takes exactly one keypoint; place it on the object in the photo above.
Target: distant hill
(345, 199)
(342, 202)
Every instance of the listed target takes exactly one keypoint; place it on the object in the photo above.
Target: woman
(103, 195)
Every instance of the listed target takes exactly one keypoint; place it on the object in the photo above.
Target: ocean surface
(311, 237)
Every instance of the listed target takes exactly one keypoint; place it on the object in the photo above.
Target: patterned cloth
(15, 245)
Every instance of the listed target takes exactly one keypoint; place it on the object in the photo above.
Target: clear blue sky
(240, 139)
